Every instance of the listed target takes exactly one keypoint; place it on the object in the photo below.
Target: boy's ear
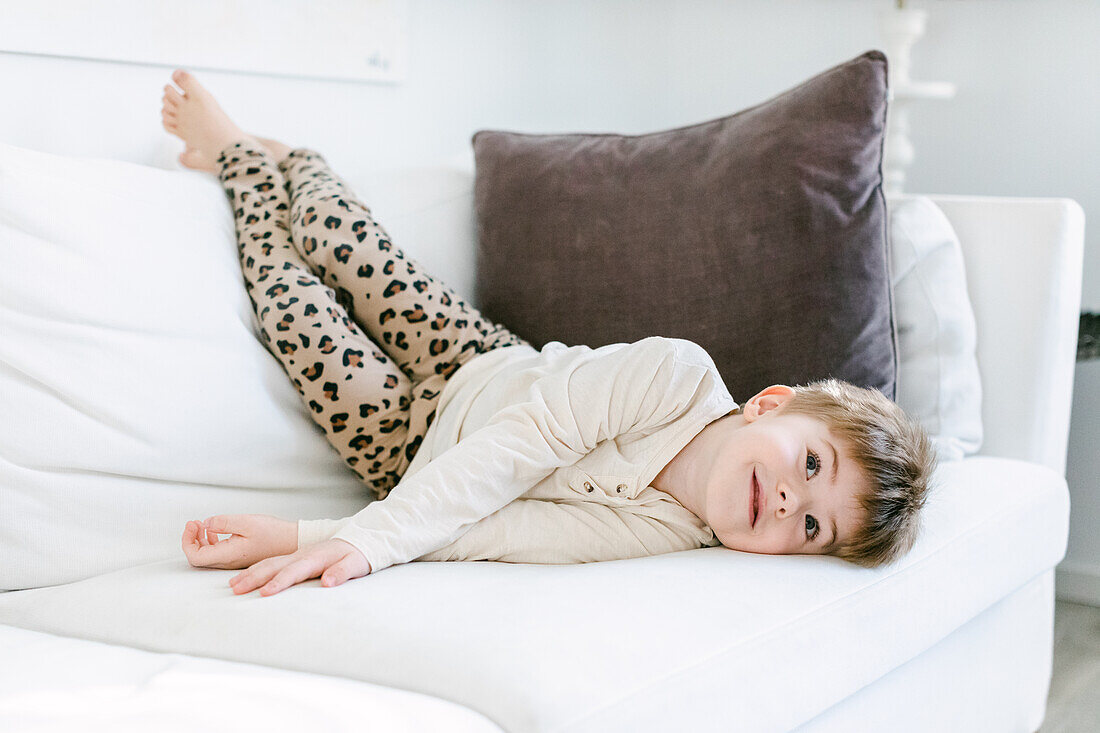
(767, 400)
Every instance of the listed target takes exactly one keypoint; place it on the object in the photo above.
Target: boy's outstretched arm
(255, 537)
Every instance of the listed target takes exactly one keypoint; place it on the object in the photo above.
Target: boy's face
(783, 484)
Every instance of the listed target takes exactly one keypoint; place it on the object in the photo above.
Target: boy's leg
(422, 324)
(354, 391)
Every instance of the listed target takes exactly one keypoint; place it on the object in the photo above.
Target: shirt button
(619, 488)
(587, 486)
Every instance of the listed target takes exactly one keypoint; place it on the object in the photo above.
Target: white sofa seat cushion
(670, 642)
(116, 689)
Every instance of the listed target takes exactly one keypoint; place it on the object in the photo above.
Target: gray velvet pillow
(760, 236)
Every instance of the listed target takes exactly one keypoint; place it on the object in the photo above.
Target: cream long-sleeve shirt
(547, 457)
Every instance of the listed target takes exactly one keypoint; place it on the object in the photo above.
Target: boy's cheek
(771, 543)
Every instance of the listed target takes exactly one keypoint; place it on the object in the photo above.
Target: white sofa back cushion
(938, 379)
(135, 392)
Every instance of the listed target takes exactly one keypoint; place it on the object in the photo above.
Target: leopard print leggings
(367, 337)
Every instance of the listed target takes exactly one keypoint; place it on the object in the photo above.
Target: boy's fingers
(191, 545)
(348, 567)
(335, 575)
(288, 576)
(309, 566)
(224, 524)
(225, 554)
(197, 533)
(218, 523)
(261, 573)
(191, 532)
(203, 558)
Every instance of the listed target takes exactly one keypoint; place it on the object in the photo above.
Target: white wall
(1025, 120)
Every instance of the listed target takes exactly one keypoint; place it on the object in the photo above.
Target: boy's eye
(813, 464)
(811, 527)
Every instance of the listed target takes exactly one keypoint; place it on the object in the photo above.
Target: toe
(184, 79)
(172, 98)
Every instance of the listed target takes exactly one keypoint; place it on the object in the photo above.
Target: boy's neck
(685, 477)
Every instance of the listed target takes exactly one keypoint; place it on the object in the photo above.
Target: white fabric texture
(1024, 259)
(971, 680)
(547, 457)
(613, 646)
(51, 683)
(976, 681)
(938, 379)
(116, 689)
(136, 394)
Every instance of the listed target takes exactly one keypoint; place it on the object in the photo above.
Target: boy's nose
(788, 500)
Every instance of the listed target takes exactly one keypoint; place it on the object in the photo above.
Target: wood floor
(1074, 702)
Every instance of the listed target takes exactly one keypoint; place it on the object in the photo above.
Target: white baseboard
(1078, 583)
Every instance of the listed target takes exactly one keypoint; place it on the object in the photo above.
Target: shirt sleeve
(553, 533)
(564, 414)
(312, 531)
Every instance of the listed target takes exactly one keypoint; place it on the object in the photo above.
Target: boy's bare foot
(196, 118)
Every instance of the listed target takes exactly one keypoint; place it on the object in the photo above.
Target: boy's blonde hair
(890, 449)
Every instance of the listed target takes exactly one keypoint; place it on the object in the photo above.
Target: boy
(564, 455)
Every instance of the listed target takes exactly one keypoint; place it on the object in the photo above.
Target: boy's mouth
(755, 499)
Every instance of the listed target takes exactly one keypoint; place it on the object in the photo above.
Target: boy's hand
(255, 537)
(334, 560)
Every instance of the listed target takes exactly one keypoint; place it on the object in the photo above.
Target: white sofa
(956, 636)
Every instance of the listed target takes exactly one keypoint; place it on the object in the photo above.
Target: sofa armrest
(1024, 259)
